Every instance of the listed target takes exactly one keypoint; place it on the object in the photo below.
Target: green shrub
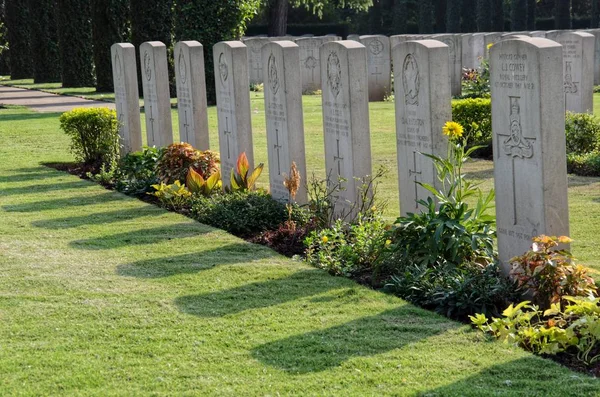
(584, 164)
(475, 115)
(583, 133)
(94, 135)
(243, 213)
(476, 82)
(136, 172)
(177, 158)
(347, 250)
(174, 196)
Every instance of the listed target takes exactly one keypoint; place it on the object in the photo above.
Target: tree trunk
(594, 14)
(518, 15)
(440, 16)
(469, 22)
(400, 20)
(497, 11)
(453, 16)
(531, 4)
(278, 14)
(484, 17)
(562, 14)
(426, 17)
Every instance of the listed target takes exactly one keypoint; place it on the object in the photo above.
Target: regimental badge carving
(147, 66)
(376, 47)
(310, 62)
(571, 87)
(273, 74)
(223, 69)
(256, 47)
(516, 145)
(118, 66)
(334, 73)
(182, 67)
(411, 80)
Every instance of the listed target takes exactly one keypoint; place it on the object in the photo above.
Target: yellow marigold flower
(565, 240)
(452, 129)
(324, 239)
(388, 242)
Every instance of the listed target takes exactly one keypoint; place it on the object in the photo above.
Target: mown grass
(102, 294)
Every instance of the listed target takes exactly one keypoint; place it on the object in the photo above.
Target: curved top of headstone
(535, 42)
(281, 43)
(155, 44)
(556, 34)
(190, 43)
(124, 45)
(429, 43)
(232, 44)
(371, 36)
(348, 44)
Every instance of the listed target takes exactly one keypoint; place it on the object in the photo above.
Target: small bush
(94, 136)
(475, 115)
(243, 213)
(177, 158)
(584, 164)
(136, 172)
(174, 196)
(476, 82)
(583, 133)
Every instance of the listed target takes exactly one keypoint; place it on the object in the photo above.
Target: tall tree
(497, 15)
(453, 12)
(44, 46)
(469, 23)
(484, 16)
(75, 39)
(440, 15)
(375, 18)
(18, 30)
(278, 14)
(210, 22)
(518, 15)
(531, 4)
(400, 20)
(110, 21)
(4, 61)
(562, 14)
(595, 18)
(426, 16)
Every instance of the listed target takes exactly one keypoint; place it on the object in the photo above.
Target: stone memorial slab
(191, 94)
(538, 33)
(423, 106)
(283, 112)
(528, 116)
(255, 66)
(454, 43)
(578, 58)
(309, 63)
(126, 96)
(157, 102)
(473, 50)
(596, 34)
(379, 63)
(346, 118)
(355, 37)
(490, 39)
(233, 105)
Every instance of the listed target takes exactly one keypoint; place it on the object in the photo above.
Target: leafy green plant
(549, 273)
(136, 173)
(94, 135)
(243, 213)
(198, 185)
(584, 164)
(241, 177)
(177, 158)
(476, 82)
(175, 196)
(475, 115)
(106, 174)
(583, 133)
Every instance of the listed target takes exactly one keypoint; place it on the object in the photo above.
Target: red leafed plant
(550, 273)
(177, 158)
(241, 177)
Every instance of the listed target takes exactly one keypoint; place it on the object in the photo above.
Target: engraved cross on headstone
(338, 157)
(258, 67)
(377, 73)
(186, 125)
(415, 172)
(227, 133)
(151, 122)
(312, 66)
(277, 147)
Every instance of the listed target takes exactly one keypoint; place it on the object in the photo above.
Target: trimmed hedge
(475, 115)
(110, 24)
(584, 164)
(44, 44)
(18, 29)
(75, 39)
(582, 133)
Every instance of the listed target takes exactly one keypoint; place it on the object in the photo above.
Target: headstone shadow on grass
(195, 262)
(364, 337)
(65, 202)
(99, 218)
(44, 188)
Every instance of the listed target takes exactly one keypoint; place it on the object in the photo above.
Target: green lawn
(102, 294)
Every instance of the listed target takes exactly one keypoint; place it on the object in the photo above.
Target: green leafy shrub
(177, 158)
(549, 273)
(94, 135)
(584, 164)
(243, 213)
(136, 172)
(475, 115)
(198, 185)
(347, 250)
(476, 82)
(175, 196)
(583, 133)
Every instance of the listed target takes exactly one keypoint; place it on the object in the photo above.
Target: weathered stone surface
(346, 119)
(126, 96)
(528, 116)
(490, 39)
(191, 94)
(309, 63)
(423, 106)
(283, 112)
(454, 43)
(157, 102)
(255, 66)
(596, 34)
(379, 63)
(233, 105)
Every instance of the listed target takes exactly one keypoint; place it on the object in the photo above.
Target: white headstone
(423, 106)
(126, 96)
(309, 63)
(596, 33)
(528, 118)
(578, 58)
(346, 118)
(454, 43)
(355, 37)
(473, 50)
(490, 39)
(157, 102)
(191, 94)
(379, 63)
(538, 33)
(283, 112)
(233, 105)
(255, 66)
